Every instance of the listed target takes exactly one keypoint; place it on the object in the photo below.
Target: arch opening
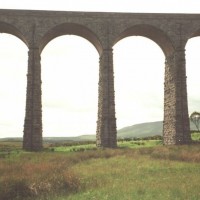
(139, 77)
(70, 87)
(13, 68)
(192, 68)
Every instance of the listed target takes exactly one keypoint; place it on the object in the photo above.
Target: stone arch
(71, 29)
(142, 32)
(151, 32)
(192, 34)
(10, 29)
(195, 33)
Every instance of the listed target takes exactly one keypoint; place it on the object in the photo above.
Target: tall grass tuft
(36, 176)
(14, 188)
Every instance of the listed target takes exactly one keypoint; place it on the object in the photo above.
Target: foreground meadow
(141, 170)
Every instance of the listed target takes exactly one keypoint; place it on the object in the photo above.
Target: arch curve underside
(10, 29)
(71, 29)
(150, 32)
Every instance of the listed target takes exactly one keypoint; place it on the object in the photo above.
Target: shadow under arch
(71, 29)
(151, 32)
(10, 29)
(195, 33)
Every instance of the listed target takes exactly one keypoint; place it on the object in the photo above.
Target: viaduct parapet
(170, 31)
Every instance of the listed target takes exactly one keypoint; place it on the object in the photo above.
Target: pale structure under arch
(103, 30)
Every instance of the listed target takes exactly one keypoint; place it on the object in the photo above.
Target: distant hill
(137, 130)
(144, 129)
(141, 130)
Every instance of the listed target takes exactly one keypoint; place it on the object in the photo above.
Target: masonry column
(106, 124)
(176, 128)
(32, 140)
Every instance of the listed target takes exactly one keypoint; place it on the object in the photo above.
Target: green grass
(138, 178)
(75, 148)
(143, 170)
(139, 143)
(121, 144)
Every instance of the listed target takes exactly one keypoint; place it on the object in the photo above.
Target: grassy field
(143, 170)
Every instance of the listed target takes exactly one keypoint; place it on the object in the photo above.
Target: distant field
(143, 170)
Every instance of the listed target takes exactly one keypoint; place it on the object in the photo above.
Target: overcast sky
(70, 99)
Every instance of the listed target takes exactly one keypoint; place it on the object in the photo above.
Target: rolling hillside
(141, 130)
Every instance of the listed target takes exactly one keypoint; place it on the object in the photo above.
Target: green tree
(195, 119)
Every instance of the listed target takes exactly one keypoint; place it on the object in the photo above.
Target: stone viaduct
(170, 31)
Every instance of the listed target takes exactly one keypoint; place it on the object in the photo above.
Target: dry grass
(185, 153)
(141, 174)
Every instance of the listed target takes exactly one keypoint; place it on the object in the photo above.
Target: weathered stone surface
(106, 124)
(33, 119)
(170, 31)
(176, 123)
